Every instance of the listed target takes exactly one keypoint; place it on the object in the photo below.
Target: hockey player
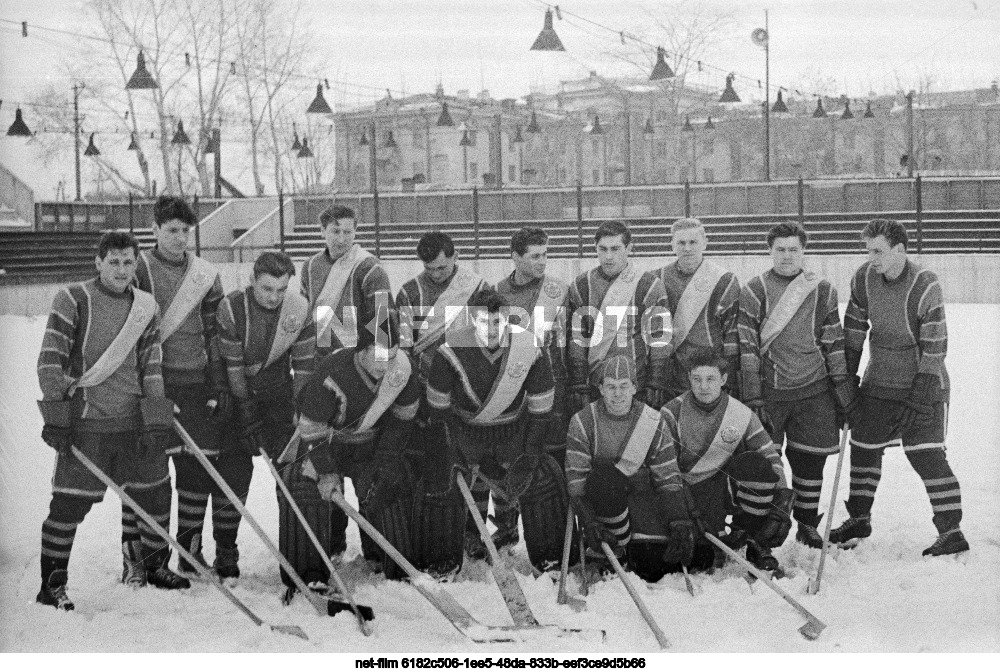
(102, 388)
(632, 308)
(904, 395)
(188, 290)
(703, 299)
(794, 373)
(529, 289)
(430, 306)
(355, 417)
(496, 401)
(268, 340)
(724, 453)
(623, 479)
(342, 281)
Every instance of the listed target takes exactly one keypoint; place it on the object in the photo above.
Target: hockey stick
(439, 598)
(812, 628)
(634, 594)
(813, 586)
(510, 589)
(202, 570)
(322, 607)
(688, 583)
(363, 614)
(584, 585)
(575, 603)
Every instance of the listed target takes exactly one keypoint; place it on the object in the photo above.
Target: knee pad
(293, 542)
(543, 513)
(66, 508)
(437, 527)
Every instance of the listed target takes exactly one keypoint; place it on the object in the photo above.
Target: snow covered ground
(881, 597)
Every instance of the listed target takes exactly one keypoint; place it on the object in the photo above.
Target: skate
(948, 543)
(809, 535)
(53, 592)
(507, 533)
(761, 558)
(226, 562)
(444, 571)
(161, 577)
(133, 571)
(851, 531)
(185, 567)
(475, 547)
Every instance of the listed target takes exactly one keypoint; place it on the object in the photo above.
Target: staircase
(32, 257)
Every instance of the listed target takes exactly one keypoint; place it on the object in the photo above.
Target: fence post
(378, 222)
(281, 220)
(919, 201)
(86, 215)
(197, 228)
(475, 221)
(802, 201)
(131, 217)
(579, 217)
(687, 198)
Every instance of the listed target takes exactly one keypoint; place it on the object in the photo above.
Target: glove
(327, 484)
(655, 397)
(680, 544)
(594, 531)
(848, 401)
(250, 426)
(58, 428)
(157, 422)
(757, 406)
(775, 529)
(220, 406)
(920, 404)
(388, 482)
(520, 473)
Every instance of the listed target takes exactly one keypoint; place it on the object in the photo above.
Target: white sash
(458, 293)
(198, 280)
(786, 306)
(518, 358)
(139, 316)
(696, 294)
(734, 426)
(291, 320)
(333, 292)
(392, 383)
(634, 455)
(620, 293)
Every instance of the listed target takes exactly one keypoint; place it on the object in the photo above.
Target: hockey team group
(629, 418)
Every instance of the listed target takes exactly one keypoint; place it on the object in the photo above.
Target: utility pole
(909, 134)
(76, 135)
(767, 101)
(217, 141)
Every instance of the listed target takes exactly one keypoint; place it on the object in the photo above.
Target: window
(511, 173)
(596, 176)
(708, 174)
(709, 145)
(661, 147)
(472, 138)
(594, 145)
(418, 167)
(474, 171)
(683, 174)
(419, 135)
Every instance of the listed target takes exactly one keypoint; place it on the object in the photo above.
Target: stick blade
(293, 630)
(334, 607)
(812, 630)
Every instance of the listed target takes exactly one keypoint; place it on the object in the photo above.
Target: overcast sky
(411, 45)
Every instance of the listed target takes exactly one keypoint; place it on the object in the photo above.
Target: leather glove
(848, 401)
(920, 404)
(594, 531)
(655, 397)
(250, 426)
(58, 429)
(520, 474)
(757, 406)
(680, 544)
(157, 423)
(389, 481)
(778, 522)
(220, 406)
(327, 484)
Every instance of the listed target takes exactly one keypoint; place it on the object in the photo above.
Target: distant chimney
(462, 94)
(484, 94)
(439, 91)
(593, 74)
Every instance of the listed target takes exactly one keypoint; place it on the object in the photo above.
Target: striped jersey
(908, 330)
(246, 332)
(84, 321)
(525, 297)
(587, 292)
(693, 426)
(188, 352)
(807, 352)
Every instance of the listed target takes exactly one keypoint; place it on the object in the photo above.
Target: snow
(881, 597)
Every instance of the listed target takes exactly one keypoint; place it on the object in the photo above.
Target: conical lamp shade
(648, 129)
(296, 145)
(444, 119)
(517, 135)
(364, 139)
(868, 111)
(729, 93)
(687, 124)
(465, 141)
(779, 105)
(180, 137)
(211, 146)
(319, 104)
(596, 128)
(547, 40)
(819, 112)
(19, 128)
(709, 125)
(133, 145)
(390, 141)
(141, 79)
(92, 149)
(661, 70)
(533, 126)
(847, 114)
(305, 152)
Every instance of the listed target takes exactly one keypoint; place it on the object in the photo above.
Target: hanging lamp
(547, 40)
(141, 79)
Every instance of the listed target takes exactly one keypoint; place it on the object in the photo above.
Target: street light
(547, 40)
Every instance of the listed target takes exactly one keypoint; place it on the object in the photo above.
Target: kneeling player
(621, 469)
(496, 401)
(724, 453)
(347, 431)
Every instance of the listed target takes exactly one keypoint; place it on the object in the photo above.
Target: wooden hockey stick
(584, 585)
(813, 586)
(202, 570)
(562, 597)
(812, 628)
(363, 615)
(634, 594)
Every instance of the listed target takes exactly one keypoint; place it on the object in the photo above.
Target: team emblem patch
(290, 324)
(462, 280)
(703, 285)
(730, 434)
(628, 275)
(200, 278)
(552, 290)
(139, 314)
(517, 370)
(397, 378)
(810, 276)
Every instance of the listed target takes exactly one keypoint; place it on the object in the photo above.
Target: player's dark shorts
(878, 425)
(118, 455)
(192, 400)
(809, 425)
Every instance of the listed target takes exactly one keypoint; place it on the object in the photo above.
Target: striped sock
(66, 512)
(941, 485)
(807, 481)
(191, 507)
(225, 521)
(130, 526)
(866, 472)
